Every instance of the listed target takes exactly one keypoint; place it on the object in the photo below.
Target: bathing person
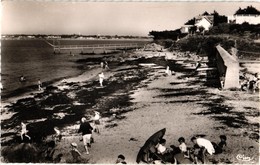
(102, 65)
(101, 79)
(106, 65)
(168, 71)
(1, 86)
(24, 131)
(86, 130)
(22, 79)
(39, 85)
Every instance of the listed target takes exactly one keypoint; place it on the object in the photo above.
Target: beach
(137, 100)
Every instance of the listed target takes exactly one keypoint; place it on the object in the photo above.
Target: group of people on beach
(85, 128)
(200, 152)
(249, 83)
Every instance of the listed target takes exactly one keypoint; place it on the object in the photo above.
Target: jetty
(92, 47)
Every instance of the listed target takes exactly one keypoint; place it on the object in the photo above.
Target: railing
(96, 46)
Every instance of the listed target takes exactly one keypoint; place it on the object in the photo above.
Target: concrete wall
(228, 66)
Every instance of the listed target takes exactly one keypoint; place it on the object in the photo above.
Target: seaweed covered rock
(57, 98)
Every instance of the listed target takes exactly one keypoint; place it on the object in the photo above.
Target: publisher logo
(244, 158)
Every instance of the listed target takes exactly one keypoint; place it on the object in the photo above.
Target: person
(183, 147)
(57, 136)
(106, 65)
(86, 130)
(76, 155)
(222, 142)
(49, 153)
(22, 79)
(205, 146)
(57, 159)
(221, 145)
(164, 154)
(120, 159)
(102, 65)
(101, 78)
(96, 120)
(1, 86)
(24, 131)
(244, 85)
(161, 149)
(39, 85)
(168, 71)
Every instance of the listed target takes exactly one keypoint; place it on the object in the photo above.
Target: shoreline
(182, 103)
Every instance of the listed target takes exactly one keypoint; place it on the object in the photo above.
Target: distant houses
(202, 23)
(206, 21)
(185, 29)
(242, 18)
(249, 15)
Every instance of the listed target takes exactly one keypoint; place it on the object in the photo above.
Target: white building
(185, 28)
(240, 19)
(205, 21)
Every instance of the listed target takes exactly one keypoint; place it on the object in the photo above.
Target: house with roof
(250, 15)
(205, 21)
(242, 18)
(185, 29)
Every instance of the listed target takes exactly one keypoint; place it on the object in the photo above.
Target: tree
(248, 10)
(190, 22)
(218, 19)
(201, 29)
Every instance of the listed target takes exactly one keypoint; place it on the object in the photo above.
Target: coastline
(145, 100)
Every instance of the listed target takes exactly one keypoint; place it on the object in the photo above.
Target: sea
(35, 60)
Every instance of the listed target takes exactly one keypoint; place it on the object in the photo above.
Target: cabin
(205, 21)
(185, 29)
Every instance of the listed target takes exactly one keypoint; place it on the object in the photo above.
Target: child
(183, 147)
(161, 149)
(24, 131)
(222, 144)
(75, 153)
(96, 121)
(58, 135)
(120, 159)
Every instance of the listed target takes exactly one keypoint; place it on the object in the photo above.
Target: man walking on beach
(39, 85)
(86, 130)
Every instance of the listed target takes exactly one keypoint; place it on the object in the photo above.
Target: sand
(182, 103)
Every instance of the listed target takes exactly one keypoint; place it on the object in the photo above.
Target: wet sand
(144, 100)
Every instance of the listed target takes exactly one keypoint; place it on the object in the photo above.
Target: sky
(105, 18)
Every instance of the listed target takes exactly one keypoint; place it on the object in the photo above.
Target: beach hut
(228, 67)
